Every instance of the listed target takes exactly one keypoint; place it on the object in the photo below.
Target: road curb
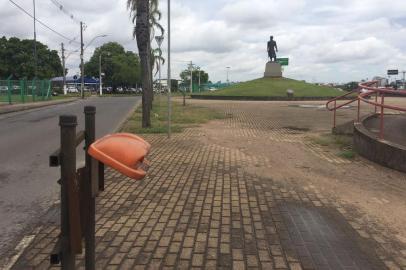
(34, 106)
(125, 119)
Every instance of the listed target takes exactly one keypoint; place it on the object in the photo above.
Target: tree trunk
(142, 32)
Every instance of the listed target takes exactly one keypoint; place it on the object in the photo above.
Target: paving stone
(200, 208)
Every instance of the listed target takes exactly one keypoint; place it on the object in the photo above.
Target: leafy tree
(121, 68)
(185, 76)
(17, 59)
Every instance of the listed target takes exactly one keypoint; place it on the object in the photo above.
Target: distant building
(382, 82)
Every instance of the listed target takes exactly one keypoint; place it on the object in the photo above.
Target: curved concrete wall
(386, 153)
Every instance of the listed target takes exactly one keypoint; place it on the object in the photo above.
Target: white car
(72, 89)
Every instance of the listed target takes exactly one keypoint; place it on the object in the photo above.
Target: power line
(43, 24)
(61, 8)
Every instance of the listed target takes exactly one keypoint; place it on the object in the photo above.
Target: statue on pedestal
(271, 49)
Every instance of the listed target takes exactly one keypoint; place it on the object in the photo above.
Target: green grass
(342, 144)
(276, 87)
(182, 117)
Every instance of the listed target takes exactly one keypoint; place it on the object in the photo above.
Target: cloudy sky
(326, 40)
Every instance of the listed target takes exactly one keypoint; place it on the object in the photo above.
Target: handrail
(363, 95)
(340, 97)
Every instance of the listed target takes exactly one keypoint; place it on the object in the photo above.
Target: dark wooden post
(101, 176)
(90, 246)
(68, 125)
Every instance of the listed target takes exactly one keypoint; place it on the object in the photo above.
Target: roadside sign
(283, 61)
(393, 72)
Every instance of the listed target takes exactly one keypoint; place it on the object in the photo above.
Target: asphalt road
(27, 184)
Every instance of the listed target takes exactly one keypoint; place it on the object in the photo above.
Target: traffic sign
(393, 72)
(283, 61)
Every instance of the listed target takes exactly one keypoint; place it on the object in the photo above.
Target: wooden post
(101, 176)
(90, 131)
(68, 125)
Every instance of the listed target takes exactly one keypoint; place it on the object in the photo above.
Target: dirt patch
(377, 192)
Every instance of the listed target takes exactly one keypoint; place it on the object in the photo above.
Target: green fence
(21, 91)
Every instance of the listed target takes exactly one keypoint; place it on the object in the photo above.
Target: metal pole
(82, 83)
(90, 125)
(199, 78)
(335, 113)
(35, 43)
(191, 76)
(64, 73)
(100, 74)
(160, 83)
(382, 116)
(169, 69)
(68, 125)
(359, 108)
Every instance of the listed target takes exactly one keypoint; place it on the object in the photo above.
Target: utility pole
(35, 43)
(191, 76)
(64, 73)
(82, 78)
(100, 74)
(169, 69)
(198, 68)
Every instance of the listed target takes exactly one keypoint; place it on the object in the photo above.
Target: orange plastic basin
(123, 152)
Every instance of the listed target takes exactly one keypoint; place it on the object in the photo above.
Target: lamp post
(191, 76)
(159, 40)
(35, 43)
(100, 72)
(82, 65)
(198, 69)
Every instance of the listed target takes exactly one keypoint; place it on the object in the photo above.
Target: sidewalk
(202, 206)
(6, 108)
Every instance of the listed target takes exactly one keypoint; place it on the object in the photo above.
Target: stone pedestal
(273, 70)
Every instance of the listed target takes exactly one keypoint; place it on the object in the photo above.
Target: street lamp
(228, 70)
(100, 72)
(82, 66)
(159, 40)
(198, 69)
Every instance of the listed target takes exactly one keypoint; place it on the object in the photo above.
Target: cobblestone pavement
(200, 208)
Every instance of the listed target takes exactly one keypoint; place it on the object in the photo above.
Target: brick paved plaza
(203, 206)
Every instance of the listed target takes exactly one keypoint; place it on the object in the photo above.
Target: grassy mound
(276, 87)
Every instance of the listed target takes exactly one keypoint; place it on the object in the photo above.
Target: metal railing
(364, 92)
(21, 91)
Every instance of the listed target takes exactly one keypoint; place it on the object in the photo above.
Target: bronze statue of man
(271, 49)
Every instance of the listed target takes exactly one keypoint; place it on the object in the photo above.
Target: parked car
(3, 88)
(72, 89)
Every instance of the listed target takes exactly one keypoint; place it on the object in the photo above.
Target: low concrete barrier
(383, 152)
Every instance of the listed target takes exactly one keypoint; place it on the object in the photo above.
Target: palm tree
(140, 16)
(145, 15)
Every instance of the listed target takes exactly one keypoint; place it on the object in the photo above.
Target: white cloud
(329, 40)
